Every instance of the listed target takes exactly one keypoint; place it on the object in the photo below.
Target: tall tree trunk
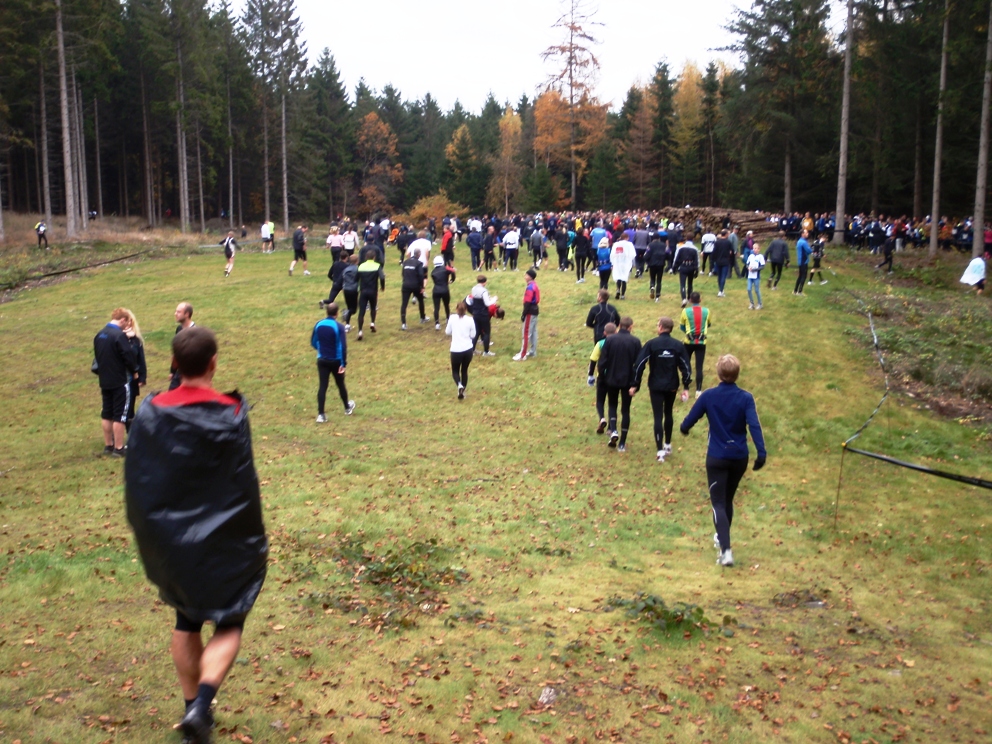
(981, 179)
(71, 225)
(2, 235)
(939, 147)
(788, 176)
(285, 172)
(918, 164)
(123, 205)
(181, 146)
(241, 214)
(37, 163)
(265, 156)
(96, 145)
(46, 187)
(230, 160)
(199, 180)
(840, 210)
(330, 200)
(876, 160)
(84, 201)
(146, 144)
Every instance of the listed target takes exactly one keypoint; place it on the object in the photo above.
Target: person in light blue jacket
(803, 252)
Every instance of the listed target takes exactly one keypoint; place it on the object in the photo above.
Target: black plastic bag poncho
(193, 501)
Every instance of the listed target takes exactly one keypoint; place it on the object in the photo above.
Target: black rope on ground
(979, 482)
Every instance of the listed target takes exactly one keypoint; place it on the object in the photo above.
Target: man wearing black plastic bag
(193, 501)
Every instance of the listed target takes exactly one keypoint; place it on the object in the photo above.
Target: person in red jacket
(448, 246)
(532, 300)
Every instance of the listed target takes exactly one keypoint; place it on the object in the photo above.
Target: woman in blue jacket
(730, 412)
(603, 263)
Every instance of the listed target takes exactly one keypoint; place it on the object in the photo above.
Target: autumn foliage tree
(505, 184)
(639, 156)
(378, 161)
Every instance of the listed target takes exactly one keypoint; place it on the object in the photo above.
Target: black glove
(683, 432)
(522, 316)
(759, 464)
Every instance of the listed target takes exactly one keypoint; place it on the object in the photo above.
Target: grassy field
(437, 565)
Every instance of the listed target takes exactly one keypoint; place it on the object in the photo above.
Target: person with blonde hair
(133, 332)
(335, 242)
(114, 364)
(730, 412)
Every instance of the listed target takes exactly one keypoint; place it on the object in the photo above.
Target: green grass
(537, 526)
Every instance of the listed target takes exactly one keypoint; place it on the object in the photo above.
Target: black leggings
(483, 329)
(438, 299)
(367, 300)
(723, 477)
(351, 301)
(685, 285)
(511, 259)
(776, 274)
(656, 273)
(662, 402)
(487, 261)
(604, 278)
(580, 267)
(700, 351)
(459, 366)
(624, 394)
(801, 279)
(325, 370)
(406, 294)
(601, 396)
(621, 287)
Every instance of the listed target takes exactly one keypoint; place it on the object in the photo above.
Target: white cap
(439, 260)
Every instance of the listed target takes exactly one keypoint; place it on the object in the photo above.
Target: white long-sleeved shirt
(461, 328)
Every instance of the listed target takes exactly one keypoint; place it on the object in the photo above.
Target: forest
(182, 110)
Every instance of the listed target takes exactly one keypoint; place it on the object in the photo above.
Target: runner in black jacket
(600, 314)
(616, 361)
(442, 276)
(667, 359)
(656, 260)
(414, 279)
(115, 365)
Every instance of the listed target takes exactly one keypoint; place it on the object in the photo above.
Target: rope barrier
(845, 447)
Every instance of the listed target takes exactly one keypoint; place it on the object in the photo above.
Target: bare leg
(198, 664)
(108, 432)
(120, 431)
(187, 649)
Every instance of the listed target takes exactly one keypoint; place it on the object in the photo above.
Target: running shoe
(461, 393)
(108, 449)
(667, 449)
(306, 273)
(321, 418)
(661, 456)
(197, 724)
(437, 326)
(614, 438)
(347, 327)
(290, 272)
(825, 281)
(652, 293)
(360, 336)
(519, 358)
(698, 393)
(489, 353)
(602, 426)
(372, 327)
(320, 304)
(622, 448)
(350, 409)
(403, 327)
(726, 558)
(716, 542)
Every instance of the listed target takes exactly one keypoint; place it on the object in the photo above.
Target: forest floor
(487, 569)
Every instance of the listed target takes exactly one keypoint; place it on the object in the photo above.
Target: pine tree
(505, 183)
(662, 91)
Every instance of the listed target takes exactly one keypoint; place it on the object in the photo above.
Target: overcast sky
(462, 49)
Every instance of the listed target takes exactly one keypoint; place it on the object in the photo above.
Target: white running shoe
(667, 449)
(347, 327)
(614, 438)
(726, 558)
(759, 307)
(360, 336)
(321, 418)
(350, 409)
(698, 393)
(519, 358)
(461, 392)
(825, 281)
(750, 306)
(661, 455)
(716, 542)
(720, 294)
(306, 273)
(489, 353)
(403, 327)
(622, 448)
(437, 326)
